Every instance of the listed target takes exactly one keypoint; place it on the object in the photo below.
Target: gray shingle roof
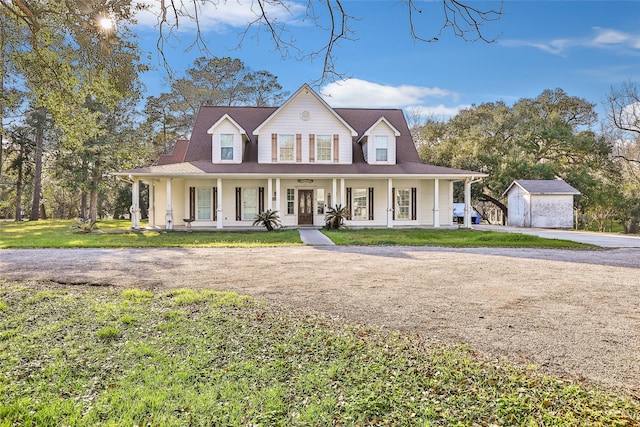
(544, 186)
(197, 154)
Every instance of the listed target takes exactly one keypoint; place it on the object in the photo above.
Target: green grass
(117, 234)
(191, 357)
(445, 237)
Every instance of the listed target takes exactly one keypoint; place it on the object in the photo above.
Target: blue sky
(583, 47)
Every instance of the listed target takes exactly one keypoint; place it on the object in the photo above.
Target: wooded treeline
(72, 112)
(553, 136)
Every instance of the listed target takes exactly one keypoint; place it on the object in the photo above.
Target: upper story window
(323, 148)
(382, 148)
(286, 148)
(226, 146)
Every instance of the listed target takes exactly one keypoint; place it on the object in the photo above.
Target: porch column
(278, 193)
(343, 200)
(467, 203)
(390, 203)
(169, 215)
(334, 190)
(219, 219)
(436, 203)
(135, 204)
(152, 204)
(269, 194)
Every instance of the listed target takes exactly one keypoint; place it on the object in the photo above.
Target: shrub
(335, 217)
(83, 226)
(269, 219)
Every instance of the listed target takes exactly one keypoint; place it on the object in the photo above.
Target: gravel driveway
(572, 313)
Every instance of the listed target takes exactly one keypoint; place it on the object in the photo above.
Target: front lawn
(83, 356)
(117, 234)
(445, 237)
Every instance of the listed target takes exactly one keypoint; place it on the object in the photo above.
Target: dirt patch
(573, 313)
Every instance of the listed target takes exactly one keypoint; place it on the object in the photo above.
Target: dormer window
(226, 146)
(382, 148)
(286, 148)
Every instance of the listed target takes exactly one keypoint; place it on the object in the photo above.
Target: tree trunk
(95, 184)
(19, 185)
(83, 206)
(500, 205)
(37, 175)
(93, 205)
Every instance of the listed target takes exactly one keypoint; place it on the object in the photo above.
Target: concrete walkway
(605, 240)
(313, 237)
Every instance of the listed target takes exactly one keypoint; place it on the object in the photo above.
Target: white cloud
(441, 111)
(606, 36)
(216, 15)
(358, 93)
(603, 38)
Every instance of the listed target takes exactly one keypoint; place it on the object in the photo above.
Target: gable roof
(544, 186)
(177, 156)
(233, 122)
(305, 87)
(395, 131)
(194, 158)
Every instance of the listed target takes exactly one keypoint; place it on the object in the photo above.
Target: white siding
(381, 129)
(424, 196)
(379, 200)
(226, 127)
(551, 211)
(290, 121)
(291, 220)
(177, 196)
(517, 202)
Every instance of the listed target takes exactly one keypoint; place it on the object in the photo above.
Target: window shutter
(260, 199)
(238, 203)
(312, 148)
(371, 204)
(215, 203)
(414, 199)
(192, 203)
(393, 203)
(336, 148)
(349, 203)
(298, 147)
(274, 147)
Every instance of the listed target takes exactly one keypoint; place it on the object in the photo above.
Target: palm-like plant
(269, 219)
(335, 217)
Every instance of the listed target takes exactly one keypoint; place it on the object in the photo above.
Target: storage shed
(540, 203)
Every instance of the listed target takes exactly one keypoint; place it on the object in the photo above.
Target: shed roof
(543, 186)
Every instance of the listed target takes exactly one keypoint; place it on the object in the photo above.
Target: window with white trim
(291, 200)
(203, 204)
(324, 146)
(403, 203)
(359, 204)
(381, 144)
(249, 203)
(226, 146)
(320, 201)
(286, 148)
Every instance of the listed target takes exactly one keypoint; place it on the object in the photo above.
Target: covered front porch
(233, 202)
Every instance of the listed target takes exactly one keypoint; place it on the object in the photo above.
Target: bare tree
(463, 18)
(623, 105)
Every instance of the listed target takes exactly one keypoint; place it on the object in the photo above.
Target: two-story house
(298, 159)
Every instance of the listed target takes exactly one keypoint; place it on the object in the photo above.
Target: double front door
(305, 207)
